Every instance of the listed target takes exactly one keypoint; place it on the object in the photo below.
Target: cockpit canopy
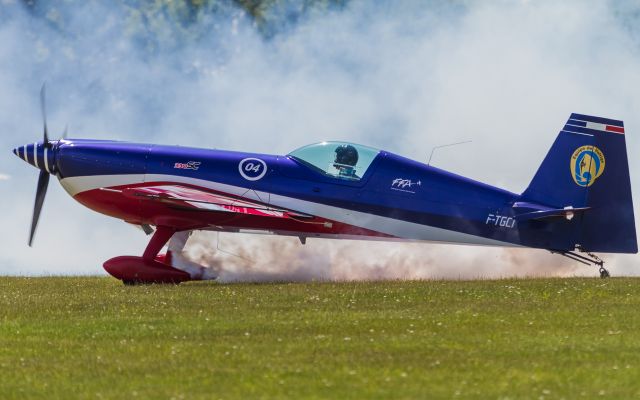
(341, 160)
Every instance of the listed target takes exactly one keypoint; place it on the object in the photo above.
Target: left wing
(198, 199)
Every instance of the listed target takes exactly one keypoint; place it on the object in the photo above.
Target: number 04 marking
(252, 169)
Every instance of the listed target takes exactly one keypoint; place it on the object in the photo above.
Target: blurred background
(270, 76)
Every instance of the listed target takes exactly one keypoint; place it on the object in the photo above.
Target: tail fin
(587, 168)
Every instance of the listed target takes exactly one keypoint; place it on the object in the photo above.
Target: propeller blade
(43, 108)
(41, 192)
(66, 131)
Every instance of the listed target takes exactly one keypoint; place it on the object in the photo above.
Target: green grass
(534, 338)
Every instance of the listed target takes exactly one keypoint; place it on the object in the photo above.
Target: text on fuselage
(500, 220)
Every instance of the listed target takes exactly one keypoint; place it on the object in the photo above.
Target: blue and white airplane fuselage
(579, 200)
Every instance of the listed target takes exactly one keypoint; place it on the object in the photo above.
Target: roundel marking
(252, 169)
(586, 164)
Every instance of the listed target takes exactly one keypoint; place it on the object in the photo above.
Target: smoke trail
(248, 258)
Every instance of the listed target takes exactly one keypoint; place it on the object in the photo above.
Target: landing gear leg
(599, 262)
(158, 240)
(177, 259)
(586, 258)
(146, 269)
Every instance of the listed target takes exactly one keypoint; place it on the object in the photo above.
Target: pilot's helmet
(346, 154)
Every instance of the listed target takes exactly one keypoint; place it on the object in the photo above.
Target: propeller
(43, 108)
(41, 192)
(43, 179)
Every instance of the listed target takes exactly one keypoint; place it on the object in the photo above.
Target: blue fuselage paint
(442, 199)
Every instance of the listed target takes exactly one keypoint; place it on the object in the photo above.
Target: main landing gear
(586, 258)
(151, 267)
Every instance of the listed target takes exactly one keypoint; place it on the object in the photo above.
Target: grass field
(538, 338)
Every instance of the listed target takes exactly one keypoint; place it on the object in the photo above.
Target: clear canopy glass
(341, 160)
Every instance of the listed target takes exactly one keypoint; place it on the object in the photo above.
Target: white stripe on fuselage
(46, 161)
(35, 154)
(79, 184)
(394, 227)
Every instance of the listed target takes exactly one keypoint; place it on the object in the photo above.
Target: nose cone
(18, 150)
(36, 154)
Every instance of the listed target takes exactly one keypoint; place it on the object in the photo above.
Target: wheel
(128, 282)
(604, 273)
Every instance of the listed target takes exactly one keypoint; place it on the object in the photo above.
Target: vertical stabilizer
(587, 167)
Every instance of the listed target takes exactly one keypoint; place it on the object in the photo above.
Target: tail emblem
(587, 164)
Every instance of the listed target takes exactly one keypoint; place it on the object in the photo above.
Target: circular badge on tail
(586, 164)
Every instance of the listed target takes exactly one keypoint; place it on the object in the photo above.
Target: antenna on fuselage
(445, 145)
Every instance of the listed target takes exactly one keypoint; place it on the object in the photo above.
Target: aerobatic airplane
(579, 201)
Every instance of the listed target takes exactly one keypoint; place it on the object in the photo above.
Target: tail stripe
(577, 122)
(616, 129)
(597, 120)
(578, 129)
(591, 127)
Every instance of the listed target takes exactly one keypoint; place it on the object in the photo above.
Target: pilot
(346, 160)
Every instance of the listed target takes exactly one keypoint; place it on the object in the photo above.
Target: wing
(191, 198)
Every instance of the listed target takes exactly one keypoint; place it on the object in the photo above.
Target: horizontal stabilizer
(530, 211)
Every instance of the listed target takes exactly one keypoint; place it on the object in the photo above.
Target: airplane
(578, 202)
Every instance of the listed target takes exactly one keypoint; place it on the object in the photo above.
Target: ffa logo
(587, 164)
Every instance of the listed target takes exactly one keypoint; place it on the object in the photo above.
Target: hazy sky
(402, 76)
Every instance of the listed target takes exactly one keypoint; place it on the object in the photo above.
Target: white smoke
(246, 257)
(403, 76)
